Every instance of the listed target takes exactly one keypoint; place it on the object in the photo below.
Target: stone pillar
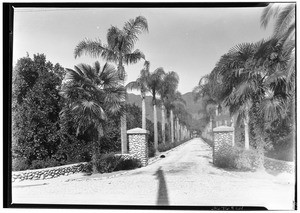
(138, 144)
(223, 137)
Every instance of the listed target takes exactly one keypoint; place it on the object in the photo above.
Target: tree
(207, 92)
(172, 100)
(119, 49)
(168, 87)
(35, 111)
(154, 84)
(141, 84)
(90, 93)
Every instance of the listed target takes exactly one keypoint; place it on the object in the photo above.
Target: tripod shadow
(162, 195)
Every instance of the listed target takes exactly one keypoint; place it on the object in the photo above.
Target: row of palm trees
(257, 79)
(92, 92)
(162, 84)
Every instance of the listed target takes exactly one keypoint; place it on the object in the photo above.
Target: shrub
(246, 160)
(128, 164)
(107, 163)
(236, 158)
(151, 150)
(110, 162)
(40, 164)
(226, 157)
(19, 164)
(164, 147)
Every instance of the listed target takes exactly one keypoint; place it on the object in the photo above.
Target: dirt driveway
(185, 176)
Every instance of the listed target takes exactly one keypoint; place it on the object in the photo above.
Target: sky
(188, 41)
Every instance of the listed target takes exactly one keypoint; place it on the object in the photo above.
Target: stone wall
(54, 172)
(279, 165)
(48, 173)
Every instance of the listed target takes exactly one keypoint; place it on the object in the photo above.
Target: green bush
(151, 150)
(49, 162)
(128, 164)
(236, 158)
(246, 160)
(226, 157)
(19, 164)
(107, 163)
(164, 147)
(110, 163)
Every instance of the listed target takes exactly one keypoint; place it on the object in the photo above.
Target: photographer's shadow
(162, 195)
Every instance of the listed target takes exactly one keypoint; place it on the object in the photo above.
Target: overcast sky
(188, 41)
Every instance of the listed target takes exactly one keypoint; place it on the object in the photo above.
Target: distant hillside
(191, 106)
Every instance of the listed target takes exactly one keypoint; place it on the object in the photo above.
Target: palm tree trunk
(178, 130)
(121, 73)
(247, 130)
(172, 126)
(143, 113)
(163, 130)
(155, 129)
(233, 124)
(124, 134)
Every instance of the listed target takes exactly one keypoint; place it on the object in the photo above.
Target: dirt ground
(186, 176)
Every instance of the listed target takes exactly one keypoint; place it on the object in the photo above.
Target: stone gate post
(138, 144)
(223, 140)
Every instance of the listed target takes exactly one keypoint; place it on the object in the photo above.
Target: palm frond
(147, 65)
(285, 17)
(132, 29)
(133, 85)
(132, 58)
(114, 37)
(89, 47)
(270, 11)
(90, 93)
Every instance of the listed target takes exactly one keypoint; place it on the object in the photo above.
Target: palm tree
(90, 93)
(119, 49)
(181, 119)
(281, 45)
(249, 74)
(207, 91)
(168, 87)
(141, 84)
(172, 100)
(154, 84)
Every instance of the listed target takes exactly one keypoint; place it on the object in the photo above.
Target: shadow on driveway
(162, 195)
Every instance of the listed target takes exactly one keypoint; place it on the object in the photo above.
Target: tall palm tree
(281, 45)
(91, 92)
(181, 119)
(171, 101)
(141, 84)
(154, 84)
(207, 92)
(119, 49)
(237, 85)
(168, 87)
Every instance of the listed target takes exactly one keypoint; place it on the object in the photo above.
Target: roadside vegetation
(255, 83)
(62, 116)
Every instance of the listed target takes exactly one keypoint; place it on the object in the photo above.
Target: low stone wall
(279, 166)
(48, 173)
(54, 172)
